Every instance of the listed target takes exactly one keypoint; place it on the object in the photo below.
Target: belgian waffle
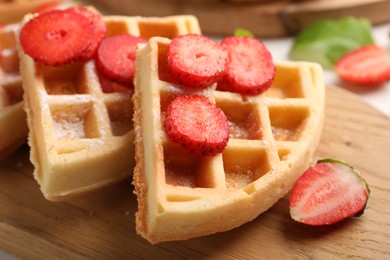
(13, 126)
(12, 11)
(272, 141)
(82, 138)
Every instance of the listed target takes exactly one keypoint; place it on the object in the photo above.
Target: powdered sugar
(69, 129)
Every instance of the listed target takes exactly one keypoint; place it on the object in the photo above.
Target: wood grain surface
(101, 225)
(12, 11)
(263, 18)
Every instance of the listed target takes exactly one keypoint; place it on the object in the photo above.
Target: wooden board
(101, 225)
(263, 18)
(12, 11)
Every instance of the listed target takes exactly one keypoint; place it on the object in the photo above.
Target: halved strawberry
(327, 193)
(56, 37)
(197, 124)
(250, 69)
(99, 29)
(369, 65)
(195, 61)
(116, 57)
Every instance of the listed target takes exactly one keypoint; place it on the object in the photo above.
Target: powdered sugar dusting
(93, 144)
(69, 129)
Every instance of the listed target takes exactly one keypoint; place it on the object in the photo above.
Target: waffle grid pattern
(13, 127)
(268, 133)
(82, 138)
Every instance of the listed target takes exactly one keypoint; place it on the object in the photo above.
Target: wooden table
(265, 18)
(101, 225)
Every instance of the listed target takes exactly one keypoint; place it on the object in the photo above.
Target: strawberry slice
(99, 29)
(327, 193)
(368, 65)
(116, 57)
(197, 124)
(195, 61)
(56, 37)
(109, 86)
(250, 69)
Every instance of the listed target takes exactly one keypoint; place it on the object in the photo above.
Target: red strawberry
(327, 193)
(56, 37)
(116, 56)
(197, 125)
(195, 61)
(99, 29)
(109, 86)
(250, 69)
(368, 65)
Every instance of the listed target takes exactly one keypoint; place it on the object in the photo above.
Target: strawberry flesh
(116, 57)
(56, 37)
(197, 124)
(195, 61)
(249, 69)
(327, 193)
(369, 65)
(98, 33)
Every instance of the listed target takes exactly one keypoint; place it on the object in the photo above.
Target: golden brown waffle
(81, 138)
(13, 126)
(273, 138)
(12, 11)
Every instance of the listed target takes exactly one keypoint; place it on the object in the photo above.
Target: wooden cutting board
(12, 11)
(101, 225)
(264, 18)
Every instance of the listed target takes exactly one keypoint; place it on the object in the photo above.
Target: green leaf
(243, 32)
(326, 41)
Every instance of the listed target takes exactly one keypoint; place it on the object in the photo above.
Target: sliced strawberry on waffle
(250, 69)
(98, 33)
(56, 37)
(369, 65)
(195, 61)
(116, 56)
(109, 86)
(328, 193)
(197, 124)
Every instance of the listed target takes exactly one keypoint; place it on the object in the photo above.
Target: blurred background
(277, 23)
